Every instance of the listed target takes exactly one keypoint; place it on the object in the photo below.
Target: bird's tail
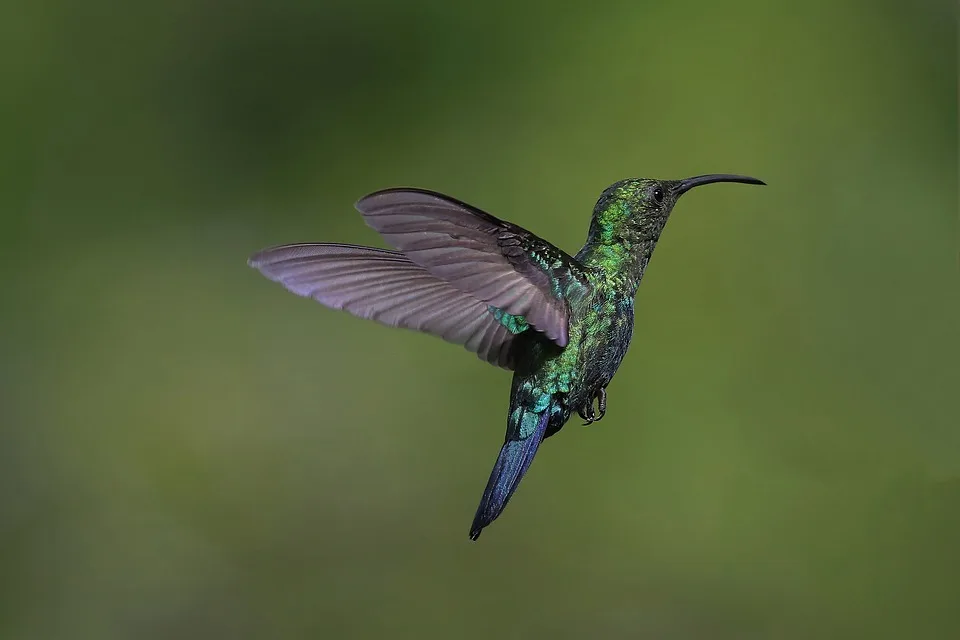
(515, 457)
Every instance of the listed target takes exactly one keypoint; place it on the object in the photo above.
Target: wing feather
(387, 287)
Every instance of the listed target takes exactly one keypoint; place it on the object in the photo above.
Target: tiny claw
(586, 412)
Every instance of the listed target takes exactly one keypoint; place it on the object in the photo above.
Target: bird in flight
(561, 323)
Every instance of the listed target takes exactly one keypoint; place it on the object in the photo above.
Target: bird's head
(636, 209)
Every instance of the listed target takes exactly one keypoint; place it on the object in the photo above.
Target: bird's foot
(587, 412)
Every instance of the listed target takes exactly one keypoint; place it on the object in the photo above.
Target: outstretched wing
(387, 287)
(495, 261)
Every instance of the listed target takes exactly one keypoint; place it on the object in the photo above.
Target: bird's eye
(658, 195)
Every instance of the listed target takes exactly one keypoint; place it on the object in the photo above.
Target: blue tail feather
(512, 463)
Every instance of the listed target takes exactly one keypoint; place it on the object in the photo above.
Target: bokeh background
(188, 451)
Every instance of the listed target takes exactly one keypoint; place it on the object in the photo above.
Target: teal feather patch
(529, 424)
(514, 324)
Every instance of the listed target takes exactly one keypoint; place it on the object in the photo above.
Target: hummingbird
(561, 323)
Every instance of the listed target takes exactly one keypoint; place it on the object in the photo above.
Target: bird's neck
(621, 262)
(620, 243)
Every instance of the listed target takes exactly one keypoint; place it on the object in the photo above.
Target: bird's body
(562, 323)
(550, 383)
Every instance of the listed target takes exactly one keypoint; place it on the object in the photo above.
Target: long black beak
(680, 187)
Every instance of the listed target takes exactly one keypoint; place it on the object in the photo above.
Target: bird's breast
(600, 330)
(600, 334)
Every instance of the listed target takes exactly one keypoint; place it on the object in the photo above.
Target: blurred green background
(188, 451)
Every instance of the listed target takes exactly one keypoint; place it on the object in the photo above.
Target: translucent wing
(493, 260)
(387, 287)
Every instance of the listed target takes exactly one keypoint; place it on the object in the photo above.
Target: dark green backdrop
(188, 451)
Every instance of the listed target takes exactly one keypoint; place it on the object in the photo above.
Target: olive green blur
(189, 451)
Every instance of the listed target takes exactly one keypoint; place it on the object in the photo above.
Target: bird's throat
(621, 262)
